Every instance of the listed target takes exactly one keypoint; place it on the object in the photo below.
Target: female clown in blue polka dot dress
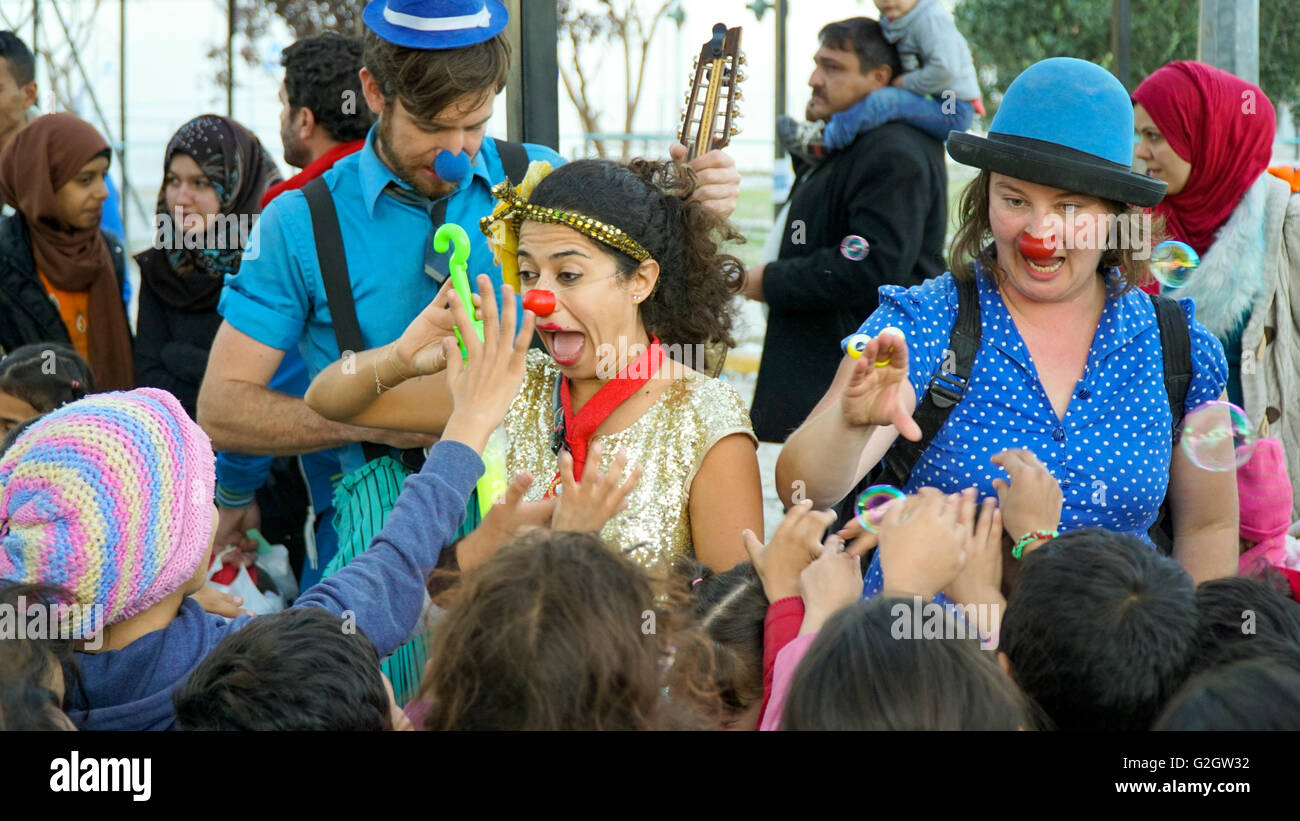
(1069, 366)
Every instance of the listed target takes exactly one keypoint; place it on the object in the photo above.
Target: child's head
(894, 9)
(1259, 694)
(1100, 630)
(302, 669)
(109, 498)
(1243, 611)
(726, 668)
(858, 676)
(557, 632)
(33, 686)
(36, 379)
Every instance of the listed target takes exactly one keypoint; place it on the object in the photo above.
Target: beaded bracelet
(1030, 537)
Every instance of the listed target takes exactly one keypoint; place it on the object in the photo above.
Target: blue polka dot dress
(1111, 452)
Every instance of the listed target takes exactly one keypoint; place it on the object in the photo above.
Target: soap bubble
(872, 502)
(855, 248)
(1218, 436)
(1173, 262)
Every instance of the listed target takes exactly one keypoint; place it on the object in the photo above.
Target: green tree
(1007, 36)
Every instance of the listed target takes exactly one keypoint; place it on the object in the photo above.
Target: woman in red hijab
(60, 277)
(1209, 135)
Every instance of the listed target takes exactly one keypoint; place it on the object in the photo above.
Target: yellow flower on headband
(501, 235)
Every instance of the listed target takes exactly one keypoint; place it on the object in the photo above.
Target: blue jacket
(131, 688)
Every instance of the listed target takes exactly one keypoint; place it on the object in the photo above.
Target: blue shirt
(278, 297)
(1110, 454)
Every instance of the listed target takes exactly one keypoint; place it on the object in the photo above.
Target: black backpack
(947, 389)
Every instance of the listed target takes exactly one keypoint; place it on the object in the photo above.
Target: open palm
(881, 394)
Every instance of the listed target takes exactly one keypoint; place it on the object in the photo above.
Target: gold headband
(517, 209)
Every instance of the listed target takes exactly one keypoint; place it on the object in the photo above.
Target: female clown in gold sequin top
(669, 441)
(624, 256)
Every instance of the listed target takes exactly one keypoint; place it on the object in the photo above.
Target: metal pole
(121, 122)
(36, 37)
(1229, 37)
(1120, 30)
(781, 170)
(230, 59)
(532, 96)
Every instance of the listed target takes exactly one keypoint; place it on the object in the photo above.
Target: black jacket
(890, 187)
(27, 315)
(171, 344)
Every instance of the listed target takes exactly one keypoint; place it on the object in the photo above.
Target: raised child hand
(922, 544)
(483, 389)
(508, 517)
(797, 541)
(830, 583)
(587, 505)
(980, 581)
(1032, 499)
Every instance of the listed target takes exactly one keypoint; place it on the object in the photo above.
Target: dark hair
(550, 635)
(865, 38)
(973, 240)
(692, 301)
(27, 665)
(1260, 694)
(429, 80)
(45, 375)
(858, 676)
(318, 72)
(722, 675)
(21, 62)
(296, 670)
(1100, 630)
(1242, 611)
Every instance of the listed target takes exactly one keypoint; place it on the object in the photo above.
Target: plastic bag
(273, 560)
(259, 603)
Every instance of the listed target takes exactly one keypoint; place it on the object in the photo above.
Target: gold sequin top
(669, 441)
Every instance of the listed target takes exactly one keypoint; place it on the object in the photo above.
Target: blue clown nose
(451, 167)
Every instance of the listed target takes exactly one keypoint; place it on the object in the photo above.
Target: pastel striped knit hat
(110, 498)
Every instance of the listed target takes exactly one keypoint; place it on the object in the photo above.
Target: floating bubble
(1218, 436)
(872, 502)
(855, 247)
(1172, 263)
(857, 344)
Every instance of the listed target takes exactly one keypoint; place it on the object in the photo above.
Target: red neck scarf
(579, 427)
(1221, 124)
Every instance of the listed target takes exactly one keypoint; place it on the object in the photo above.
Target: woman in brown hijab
(60, 277)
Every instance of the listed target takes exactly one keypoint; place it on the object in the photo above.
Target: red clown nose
(541, 303)
(1033, 247)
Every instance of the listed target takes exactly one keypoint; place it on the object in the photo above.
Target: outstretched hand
(587, 505)
(1031, 499)
(483, 388)
(509, 517)
(797, 541)
(881, 395)
(923, 542)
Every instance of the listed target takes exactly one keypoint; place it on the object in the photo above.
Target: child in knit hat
(1265, 497)
(111, 498)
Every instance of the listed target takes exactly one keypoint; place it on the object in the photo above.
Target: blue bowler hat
(435, 24)
(1066, 123)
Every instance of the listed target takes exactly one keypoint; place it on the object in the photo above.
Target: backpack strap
(946, 388)
(1176, 347)
(1176, 352)
(334, 274)
(514, 159)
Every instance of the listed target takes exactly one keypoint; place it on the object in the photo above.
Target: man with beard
(431, 71)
